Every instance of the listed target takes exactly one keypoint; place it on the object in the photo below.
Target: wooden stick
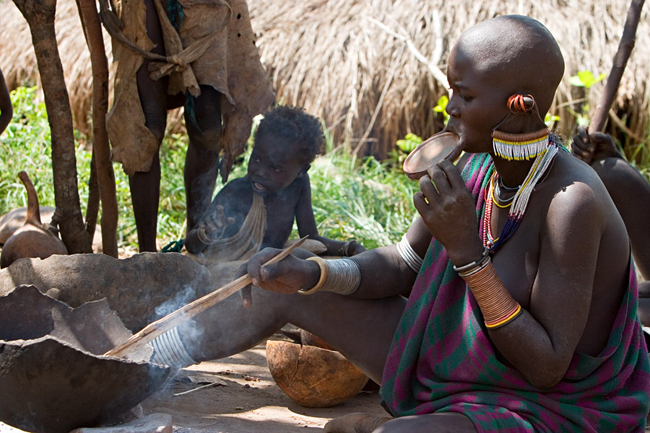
(190, 310)
(620, 61)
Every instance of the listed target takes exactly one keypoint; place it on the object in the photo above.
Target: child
(258, 210)
(6, 110)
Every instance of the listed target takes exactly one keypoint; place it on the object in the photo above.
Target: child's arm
(307, 226)
(6, 110)
(210, 229)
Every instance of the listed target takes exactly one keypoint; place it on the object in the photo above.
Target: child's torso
(280, 211)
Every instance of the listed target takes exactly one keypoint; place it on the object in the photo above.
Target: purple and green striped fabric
(441, 360)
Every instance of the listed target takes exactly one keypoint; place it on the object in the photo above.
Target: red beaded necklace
(488, 241)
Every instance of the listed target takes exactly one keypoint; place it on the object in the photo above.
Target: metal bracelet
(343, 277)
(408, 254)
(203, 237)
(476, 269)
(475, 264)
(345, 248)
(170, 350)
(324, 273)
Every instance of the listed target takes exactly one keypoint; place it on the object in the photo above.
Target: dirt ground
(245, 400)
(242, 398)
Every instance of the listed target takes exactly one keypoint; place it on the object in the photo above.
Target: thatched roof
(342, 61)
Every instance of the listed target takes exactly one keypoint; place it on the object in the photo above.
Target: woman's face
(477, 103)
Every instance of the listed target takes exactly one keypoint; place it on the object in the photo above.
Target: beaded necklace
(520, 200)
(488, 241)
(496, 194)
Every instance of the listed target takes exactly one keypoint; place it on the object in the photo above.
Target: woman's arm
(384, 273)
(629, 190)
(541, 342)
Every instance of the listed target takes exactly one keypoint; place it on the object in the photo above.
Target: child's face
(273, 165)
(477, 104)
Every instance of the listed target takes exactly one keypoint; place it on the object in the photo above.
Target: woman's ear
(519, 103)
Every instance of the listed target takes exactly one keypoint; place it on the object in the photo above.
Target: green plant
(369, 201)
(550, 119)
(25, 146)
(409, 143)
(441, 107)
(585, 79)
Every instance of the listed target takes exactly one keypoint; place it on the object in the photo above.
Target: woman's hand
(287, 276)
(449, 212)
(593, 147)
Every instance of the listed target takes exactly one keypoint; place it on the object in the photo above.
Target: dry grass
(332, 57)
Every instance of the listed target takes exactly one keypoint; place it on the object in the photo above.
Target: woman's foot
(355, 423)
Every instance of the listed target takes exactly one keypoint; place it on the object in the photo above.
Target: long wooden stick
(101, 160)
(190, 310)
(620, 61)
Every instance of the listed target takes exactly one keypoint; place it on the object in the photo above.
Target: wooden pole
(102, 166)
(623, 53)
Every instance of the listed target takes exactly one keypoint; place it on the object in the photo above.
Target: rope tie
(163, 65)
(177, 59)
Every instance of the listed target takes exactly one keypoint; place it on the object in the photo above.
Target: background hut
(353, 62)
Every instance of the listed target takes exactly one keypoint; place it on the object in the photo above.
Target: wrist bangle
(345, 248)
(203, 237)
(497, 305)
(477, 268)
(475, 264)
(512, 315)
(324, 273)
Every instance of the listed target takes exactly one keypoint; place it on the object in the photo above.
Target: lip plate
(428, 153)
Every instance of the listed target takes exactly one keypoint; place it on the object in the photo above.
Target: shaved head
(518, 53)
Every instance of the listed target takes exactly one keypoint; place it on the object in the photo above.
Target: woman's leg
(362, 330)
(434, 423)
(145, 186)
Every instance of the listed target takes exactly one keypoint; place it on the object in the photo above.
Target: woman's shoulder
(571, 170)
(573, 186)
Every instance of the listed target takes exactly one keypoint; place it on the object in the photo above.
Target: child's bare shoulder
(236, 186)
(237, 193)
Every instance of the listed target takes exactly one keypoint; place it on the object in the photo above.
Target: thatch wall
(332, 57)
(18, 61)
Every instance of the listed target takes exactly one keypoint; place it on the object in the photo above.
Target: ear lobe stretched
(518, 103)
